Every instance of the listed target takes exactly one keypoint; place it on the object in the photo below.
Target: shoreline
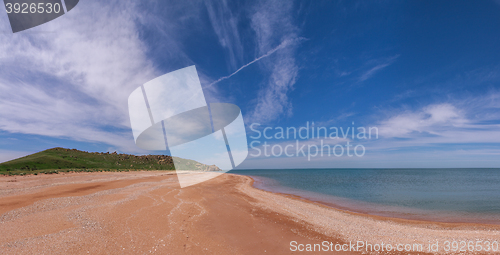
(450, 225)
(143, 212)
(362, 208)
(376, 229)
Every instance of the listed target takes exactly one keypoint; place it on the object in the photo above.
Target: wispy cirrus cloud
(463, 132)
(71, 77)
(379, 65)
(276, 40)
(429, 120)
(225, 25)
(273, 25)
(472, 120)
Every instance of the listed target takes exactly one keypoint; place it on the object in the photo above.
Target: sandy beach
(147, 212)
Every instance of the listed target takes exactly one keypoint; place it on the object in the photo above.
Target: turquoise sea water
(447, 195)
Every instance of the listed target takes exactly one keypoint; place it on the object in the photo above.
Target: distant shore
(146, 211)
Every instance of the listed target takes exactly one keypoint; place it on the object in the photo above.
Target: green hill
(61, 159)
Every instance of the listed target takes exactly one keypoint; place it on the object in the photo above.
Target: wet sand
(148, 212)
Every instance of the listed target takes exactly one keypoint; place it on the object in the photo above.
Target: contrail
(282, 45)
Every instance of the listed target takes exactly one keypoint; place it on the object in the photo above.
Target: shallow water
(448, 195)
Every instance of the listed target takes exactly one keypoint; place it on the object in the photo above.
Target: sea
(442, 195)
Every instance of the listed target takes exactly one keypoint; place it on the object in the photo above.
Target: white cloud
(430, 119)
(71, 77)
(225, 25)
(457, 133)
(272, 23)
(472, 120)
(381, 64)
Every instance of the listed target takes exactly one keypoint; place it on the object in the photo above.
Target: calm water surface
(449, 195)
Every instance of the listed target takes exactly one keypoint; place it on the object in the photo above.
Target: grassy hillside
(60, 159)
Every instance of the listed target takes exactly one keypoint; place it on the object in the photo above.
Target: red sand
(147, 212)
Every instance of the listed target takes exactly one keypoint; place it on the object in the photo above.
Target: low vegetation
(53, 161)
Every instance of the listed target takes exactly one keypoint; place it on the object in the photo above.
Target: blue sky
(425, 73)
